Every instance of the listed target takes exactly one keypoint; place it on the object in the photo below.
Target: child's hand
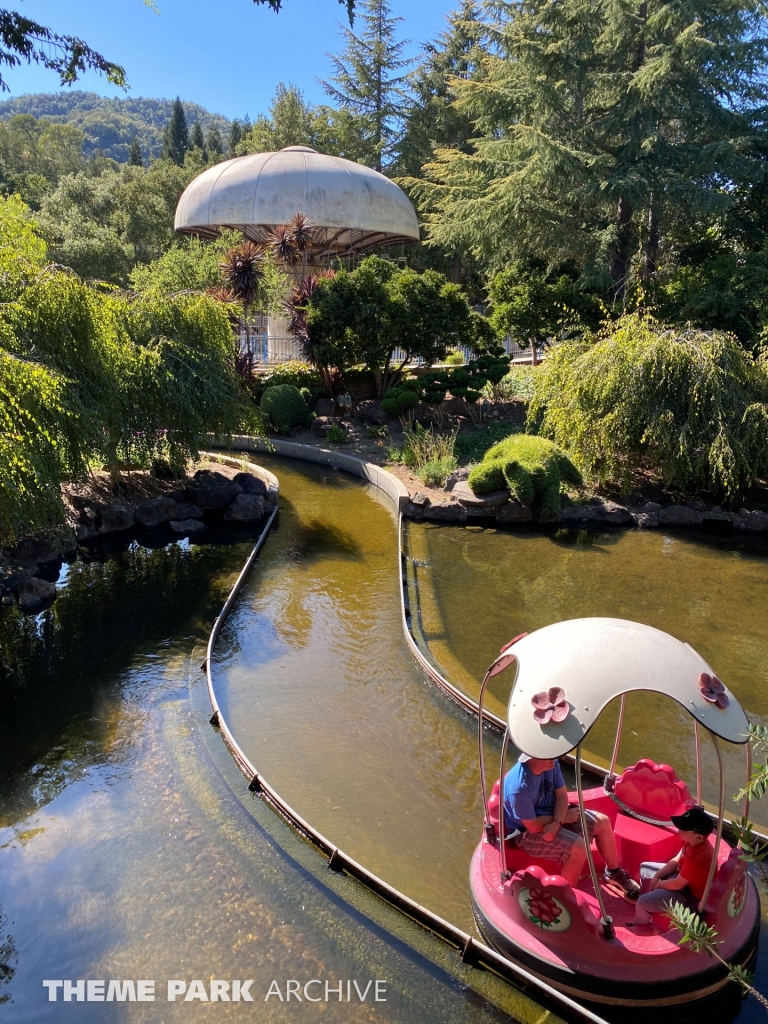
(655, 880)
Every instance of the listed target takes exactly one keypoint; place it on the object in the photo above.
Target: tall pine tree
(213, 143)
(135, 158)
(605, 130)
(366, 82)
(176, 135)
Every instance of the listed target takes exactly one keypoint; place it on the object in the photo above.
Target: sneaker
(621, 880)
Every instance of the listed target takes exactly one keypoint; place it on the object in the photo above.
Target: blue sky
(227, 55)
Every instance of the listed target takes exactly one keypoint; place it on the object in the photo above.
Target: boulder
(456, 477)
(35, 594)
(157, 510)
(716, 515)
(752, 522)
(464, 494)
(646, 516)
(514, 512)
(446, 512)
(616, 514)
(325, 407)
(210, 489)
(246, 508)
(185, 526)
(679, 515)
(12, 575)
(419, 499)
(251, 484)
(370, 411)
(115, 518)
(321, 425)
(186, 510)
(46, 546)
(696, 504)
(580, 513)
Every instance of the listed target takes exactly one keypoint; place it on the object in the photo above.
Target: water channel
(124, 851)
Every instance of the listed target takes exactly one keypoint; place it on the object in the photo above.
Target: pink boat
(576, 938)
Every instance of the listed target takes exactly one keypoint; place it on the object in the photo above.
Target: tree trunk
(457, 267)
(651, 247)
(619, 257)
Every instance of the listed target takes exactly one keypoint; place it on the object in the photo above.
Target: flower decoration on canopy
(550, 706)
(713, 690)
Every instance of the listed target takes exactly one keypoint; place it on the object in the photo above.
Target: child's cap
(695, 819)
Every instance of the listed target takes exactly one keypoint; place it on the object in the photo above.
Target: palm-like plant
(294, 242)
(243, 272)
(295, 308)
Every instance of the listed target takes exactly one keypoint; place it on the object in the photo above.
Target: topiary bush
(284, 407)
(531, 467)
(401, 402)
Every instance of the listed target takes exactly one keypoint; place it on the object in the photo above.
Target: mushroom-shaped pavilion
(352, 208)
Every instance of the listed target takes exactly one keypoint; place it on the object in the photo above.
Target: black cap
(695, 819)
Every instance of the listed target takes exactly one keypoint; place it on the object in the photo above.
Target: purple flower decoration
(550, 706)
(712, 689)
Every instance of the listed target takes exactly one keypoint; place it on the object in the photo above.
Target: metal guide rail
(472, 952)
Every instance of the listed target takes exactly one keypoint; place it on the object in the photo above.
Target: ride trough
(575, 938)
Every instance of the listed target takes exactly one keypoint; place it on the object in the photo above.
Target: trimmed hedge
(285, 407)
(531, 467)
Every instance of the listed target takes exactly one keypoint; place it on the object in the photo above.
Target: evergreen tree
(605, 132)
(176, 135)
(214, 144)
(366, 82)
(134, 156)
(197, 141)
(235, 136)
(432, 119)
(290, 123)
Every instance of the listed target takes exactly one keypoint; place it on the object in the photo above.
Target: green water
(129, 846)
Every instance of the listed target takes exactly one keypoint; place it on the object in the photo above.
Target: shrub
(401, 402)
(690, 405)
(285, 407)
(429, 454)
(455, 359)
(531, 467)
(435, 472)
(472, 445)
(517, 385)
(336, 435)
(300, 375)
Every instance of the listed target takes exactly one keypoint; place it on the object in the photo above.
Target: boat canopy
(594, 660)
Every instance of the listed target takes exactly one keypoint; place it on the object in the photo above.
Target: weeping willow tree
(91, 378)
(604, 133)
(689, 405)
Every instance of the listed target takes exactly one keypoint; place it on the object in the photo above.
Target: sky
(227, 55)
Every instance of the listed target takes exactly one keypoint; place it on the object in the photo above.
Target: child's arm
(678, 882)
(669, 868)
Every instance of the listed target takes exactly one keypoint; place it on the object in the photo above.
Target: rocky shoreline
(220, 495)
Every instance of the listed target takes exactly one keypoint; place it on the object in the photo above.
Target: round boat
(575, 937)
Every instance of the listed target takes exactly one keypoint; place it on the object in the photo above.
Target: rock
(6, 600)
(186, 510)
(696, 504)
(251, 484)
(12, 575)
(157, 510)
(321, 425)
(650, 507)
(115, 518)
(83, 532)
(464, 494)
(716, 515)
(187, 525)
(646, 520)
(325, 407)
(446, 512)
(419, 499)
(514, 512)
(246, 508)
(177, 495)
(371, 412)
(46, 546)
(752, 522)
(580, 513)
(679, 515)
(35, 594)
(616, 514)
(210, 489)
(456, 477)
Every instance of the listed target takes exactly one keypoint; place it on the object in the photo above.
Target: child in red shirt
(682, 879)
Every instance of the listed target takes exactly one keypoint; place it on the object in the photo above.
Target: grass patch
(472, 446)
(429, 454)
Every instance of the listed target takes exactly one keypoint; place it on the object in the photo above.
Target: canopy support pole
(502, 826)
(619, 727)
(719, 836)
(487, 823)
(605, 920)
(697, 734)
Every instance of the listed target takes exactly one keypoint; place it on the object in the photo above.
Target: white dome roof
(354, 208)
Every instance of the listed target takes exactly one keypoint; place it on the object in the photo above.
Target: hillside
(110, 124)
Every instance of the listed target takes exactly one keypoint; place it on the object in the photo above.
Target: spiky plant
(243, 271)
(283, 246)
(294, 242)
(295, 308)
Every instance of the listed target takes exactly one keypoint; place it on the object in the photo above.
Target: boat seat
(652, 791)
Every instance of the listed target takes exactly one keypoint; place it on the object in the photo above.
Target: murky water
(125, 854)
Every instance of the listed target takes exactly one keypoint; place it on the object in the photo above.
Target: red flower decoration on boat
(713, 690)
(550, 706)
(740, 891)
(545, 909)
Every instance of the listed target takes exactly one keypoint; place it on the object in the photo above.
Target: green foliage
(299, 375)
(455, 359)
(517, 385)
(531, 467)
(400, 402)
(336, 435)
(429, 453)
(758, 783)
(284, 406)
(472, 445)
(689, 405)
(22, 251)
(176, 135)
(530, 305)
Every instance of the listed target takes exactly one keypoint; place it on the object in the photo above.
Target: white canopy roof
(594, 660)
(354, 207)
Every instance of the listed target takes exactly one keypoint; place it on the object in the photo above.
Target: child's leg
(647, 870)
